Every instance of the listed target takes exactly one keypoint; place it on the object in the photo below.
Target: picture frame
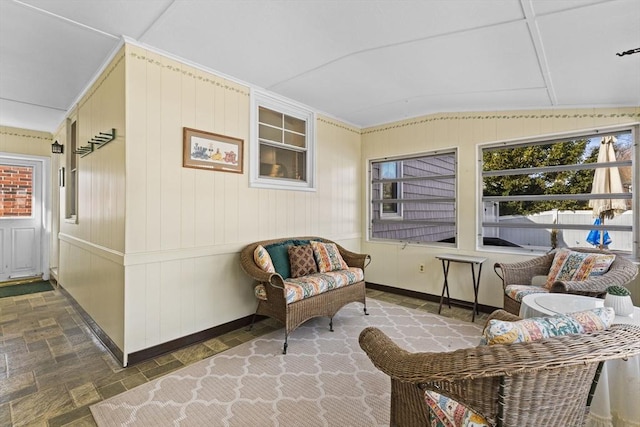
(207, 150)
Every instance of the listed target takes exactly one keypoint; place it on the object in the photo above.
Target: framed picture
(206, 150)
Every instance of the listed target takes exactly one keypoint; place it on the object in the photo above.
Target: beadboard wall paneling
(96, 282)
(90, 264)
(101, 192)
(186, 226)
(463, 131)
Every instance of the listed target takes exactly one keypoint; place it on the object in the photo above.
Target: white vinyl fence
(620, 240)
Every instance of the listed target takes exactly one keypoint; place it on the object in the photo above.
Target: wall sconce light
(57, 148)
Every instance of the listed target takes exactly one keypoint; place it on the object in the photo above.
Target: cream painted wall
(91, 253)
(23, 141)
(186, 226)
(396, 265)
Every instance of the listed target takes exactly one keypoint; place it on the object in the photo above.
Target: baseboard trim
(160, 349)
(95, 328)
(178, 343)
(429, 297)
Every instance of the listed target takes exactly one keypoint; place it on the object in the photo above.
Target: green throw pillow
(279, 253)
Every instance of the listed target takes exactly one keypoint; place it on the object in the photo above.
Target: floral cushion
(570, 265)
(536, 328)
(299, 288)
(302, 261)
(449, 413)
(517, 292)
(263, 260)
(328, 257)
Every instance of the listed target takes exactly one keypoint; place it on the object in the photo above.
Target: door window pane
(16, 191)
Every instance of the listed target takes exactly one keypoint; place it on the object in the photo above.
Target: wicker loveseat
(294, 300)
(537, 383)
(520, 276)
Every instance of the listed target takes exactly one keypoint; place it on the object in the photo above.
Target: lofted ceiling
(366, 62)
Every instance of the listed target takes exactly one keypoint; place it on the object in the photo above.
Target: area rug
(25, 288)
(325, 379)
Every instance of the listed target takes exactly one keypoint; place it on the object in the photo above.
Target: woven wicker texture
(621, 272)
(293, 315)
(539, 383)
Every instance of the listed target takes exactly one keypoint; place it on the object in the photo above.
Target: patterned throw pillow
(301, 261)
(263, 260)
(569, 265)
(328, 257)
(449, 413)
(537, 328)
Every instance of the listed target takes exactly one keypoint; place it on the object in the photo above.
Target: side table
(447, 259)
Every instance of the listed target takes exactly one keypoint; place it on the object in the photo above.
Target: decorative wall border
(502, 117)
(191, 74)
(22, 135)
(339, 125)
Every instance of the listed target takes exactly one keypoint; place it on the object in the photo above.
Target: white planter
(621, 304)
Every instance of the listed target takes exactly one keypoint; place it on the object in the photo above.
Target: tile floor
(52, 368)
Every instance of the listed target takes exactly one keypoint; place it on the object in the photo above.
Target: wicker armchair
(621, 272)
(540, 383)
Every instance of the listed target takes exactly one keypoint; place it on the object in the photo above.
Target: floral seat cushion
(517, 292)
(536, 328)
(449, 413)
(307, 286)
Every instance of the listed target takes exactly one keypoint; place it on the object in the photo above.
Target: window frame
(376, 204)
(73, 165)
(633, 128)
(398, 213)
(292, 109)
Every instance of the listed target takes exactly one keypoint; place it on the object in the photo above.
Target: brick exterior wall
(15, 191)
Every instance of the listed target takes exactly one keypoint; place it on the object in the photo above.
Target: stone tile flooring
(52, 368)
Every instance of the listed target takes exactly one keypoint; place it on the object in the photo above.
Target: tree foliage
(539, 183)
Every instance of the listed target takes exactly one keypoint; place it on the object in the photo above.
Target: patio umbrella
(606, 180)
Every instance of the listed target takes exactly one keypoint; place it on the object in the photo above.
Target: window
(72, 161)
(414, 198)
(282, 154)
(390, 189)
(16, 191)
(541, 194)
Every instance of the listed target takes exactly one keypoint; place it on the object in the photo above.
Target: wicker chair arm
(431, 369)
(522, 273)
(354, 259)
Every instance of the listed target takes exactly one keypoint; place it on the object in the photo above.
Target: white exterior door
(21, 218)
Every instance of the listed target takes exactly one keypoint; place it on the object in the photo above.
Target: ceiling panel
(366, 63)
(50, 60)
(116, 17)
(280, 39)
(546, 7)
(462, 102)
(581, 47)
(27, 116)
(495, 58)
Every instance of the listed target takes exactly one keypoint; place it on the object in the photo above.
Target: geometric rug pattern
(325, 379)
